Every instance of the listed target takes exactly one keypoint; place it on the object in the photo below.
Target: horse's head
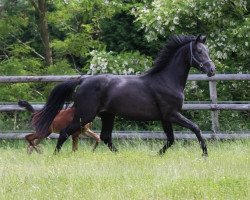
(200, 56)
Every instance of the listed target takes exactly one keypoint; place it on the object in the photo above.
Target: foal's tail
(62, 92)
(26, 105)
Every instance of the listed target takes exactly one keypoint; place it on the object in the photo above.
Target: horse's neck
(176, 72)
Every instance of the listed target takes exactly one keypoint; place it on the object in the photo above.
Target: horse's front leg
(183, 121)
(106, 132)
(168, 130)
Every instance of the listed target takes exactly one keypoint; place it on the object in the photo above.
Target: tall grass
(135, 172)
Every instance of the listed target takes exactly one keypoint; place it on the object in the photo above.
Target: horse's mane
(163, 58)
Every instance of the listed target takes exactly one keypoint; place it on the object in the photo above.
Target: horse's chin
(210, 74)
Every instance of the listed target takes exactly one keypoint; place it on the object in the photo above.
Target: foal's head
(199, 56)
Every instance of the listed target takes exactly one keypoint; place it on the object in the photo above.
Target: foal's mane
(173, 44)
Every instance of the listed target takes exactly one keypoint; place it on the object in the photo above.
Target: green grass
(136, 172)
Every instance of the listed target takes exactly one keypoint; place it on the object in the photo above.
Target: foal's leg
(106, 132)
(31, 143)
(33, 140)
(168, 130)
(75, 140)
(183, 121)
(92, 134)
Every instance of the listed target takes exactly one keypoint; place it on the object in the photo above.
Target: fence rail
(214, 105)
(205, 106)
(145, 135)
(191, 77)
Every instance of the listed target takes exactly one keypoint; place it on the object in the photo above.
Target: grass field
(136, 172)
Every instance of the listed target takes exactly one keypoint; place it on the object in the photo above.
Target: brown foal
(61, 121)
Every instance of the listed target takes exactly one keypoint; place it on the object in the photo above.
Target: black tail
(43, 119)
(26, 105)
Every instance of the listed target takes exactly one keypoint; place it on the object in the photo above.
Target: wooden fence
(214, 105)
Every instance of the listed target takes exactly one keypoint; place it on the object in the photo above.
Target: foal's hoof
(95, 146)
(39, 149)
(30, 149)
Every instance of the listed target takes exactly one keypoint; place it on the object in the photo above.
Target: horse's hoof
(161, 152)
(56, 151)
(205, 155)
(115, 150)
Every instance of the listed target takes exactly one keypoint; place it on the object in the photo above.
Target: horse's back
(127, 96)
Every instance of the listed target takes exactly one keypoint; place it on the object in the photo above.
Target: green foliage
(123, 63)
(60, 67)
(123, 37)
(78, 27)
(120, 34)
(228, 32)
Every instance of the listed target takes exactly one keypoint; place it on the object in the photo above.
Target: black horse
(155, 95)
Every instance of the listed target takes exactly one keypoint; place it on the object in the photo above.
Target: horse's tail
(61, 93)
(26, 105)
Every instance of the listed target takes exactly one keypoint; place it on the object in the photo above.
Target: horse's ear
(201, 39)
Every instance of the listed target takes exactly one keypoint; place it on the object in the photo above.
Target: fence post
(214, 113)
(15, 121)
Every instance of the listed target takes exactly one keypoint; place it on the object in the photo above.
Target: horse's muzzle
(211, 71)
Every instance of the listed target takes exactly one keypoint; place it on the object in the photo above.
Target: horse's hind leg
(74, 126)
(168, 130)
(86, 110)
(66, 132)
(107, 127)
(183, 121)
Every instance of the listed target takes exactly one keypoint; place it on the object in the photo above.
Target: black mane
(167, 52)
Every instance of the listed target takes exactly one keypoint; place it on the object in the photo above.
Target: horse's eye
(199, 51)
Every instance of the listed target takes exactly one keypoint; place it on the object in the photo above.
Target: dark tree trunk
(41, 9)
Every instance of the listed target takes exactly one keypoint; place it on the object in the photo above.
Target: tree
(41, 10)
(228, 32)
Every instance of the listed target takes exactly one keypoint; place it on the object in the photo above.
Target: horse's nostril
(212, 70)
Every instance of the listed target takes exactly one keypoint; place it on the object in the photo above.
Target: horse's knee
(105, 138)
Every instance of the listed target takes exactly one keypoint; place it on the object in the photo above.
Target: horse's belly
(140, 116)
(135, 103)
(136, 111)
